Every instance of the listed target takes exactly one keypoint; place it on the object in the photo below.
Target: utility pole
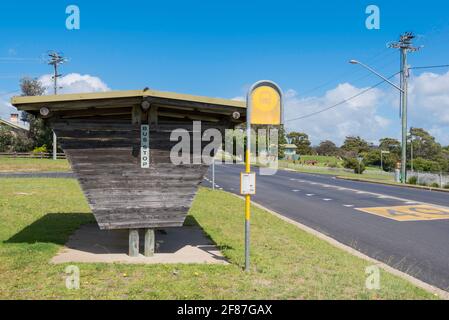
(404, 45)
(55, 59)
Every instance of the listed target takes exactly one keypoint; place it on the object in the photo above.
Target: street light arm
(376, 73)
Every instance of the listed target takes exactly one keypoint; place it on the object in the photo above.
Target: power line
(8, 93)
(431, 67)
(341, 102)
(381, 54)
(17, 60)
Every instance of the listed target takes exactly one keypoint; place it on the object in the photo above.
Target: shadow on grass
(192, 222)
(51, 228)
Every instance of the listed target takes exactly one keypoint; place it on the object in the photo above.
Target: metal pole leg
(149, 242)
(133, 243)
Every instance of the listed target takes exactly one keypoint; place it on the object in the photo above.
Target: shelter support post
(149, 243)
(133, 242)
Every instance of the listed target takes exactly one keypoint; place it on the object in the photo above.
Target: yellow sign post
(264, 106)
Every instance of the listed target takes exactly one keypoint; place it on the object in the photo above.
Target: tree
(39, 133)
(281, 142)
(327, 148)
(424, 145)
(390, 144)
(355, 145)
(353, 163)
(373, 158)
(302, 142)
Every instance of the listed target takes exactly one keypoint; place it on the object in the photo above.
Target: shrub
(41, 149)
(423, 184)
(435, 185)
(413, 180)
(446, 186)
(353, 163)
(332, 164)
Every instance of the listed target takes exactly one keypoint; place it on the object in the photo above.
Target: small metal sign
(144, 146)
(247, 183)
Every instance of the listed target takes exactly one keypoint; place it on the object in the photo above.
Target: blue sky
(218, 48)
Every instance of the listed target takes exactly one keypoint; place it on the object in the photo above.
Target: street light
(404, 124)
(376, 73)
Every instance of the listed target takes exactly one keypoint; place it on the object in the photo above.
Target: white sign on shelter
(144, 146)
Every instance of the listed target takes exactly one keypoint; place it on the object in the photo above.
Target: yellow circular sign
(265, 105)
(265, 99)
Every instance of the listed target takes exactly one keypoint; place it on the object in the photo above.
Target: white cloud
(74, 83)
(429, 103)
(355, 117)
(70, 83)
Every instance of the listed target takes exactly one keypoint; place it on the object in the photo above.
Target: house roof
(12, 125)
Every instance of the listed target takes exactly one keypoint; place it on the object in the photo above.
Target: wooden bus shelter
(100, 134)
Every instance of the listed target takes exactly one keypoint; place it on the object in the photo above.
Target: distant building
(290, 151)
(13, 124)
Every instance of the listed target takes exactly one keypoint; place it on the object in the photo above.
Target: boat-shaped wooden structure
(100, 134)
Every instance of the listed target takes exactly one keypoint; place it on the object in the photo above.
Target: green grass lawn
(32, 165)
(38, 215)
(369, 173)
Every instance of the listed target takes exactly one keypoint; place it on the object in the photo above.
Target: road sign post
(264, 106)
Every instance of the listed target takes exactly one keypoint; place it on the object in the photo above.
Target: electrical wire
(341, 102)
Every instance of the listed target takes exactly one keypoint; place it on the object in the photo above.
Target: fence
(430, 178)
(31, 155)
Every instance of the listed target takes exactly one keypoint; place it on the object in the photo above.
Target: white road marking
(360, 192)
(296, 190)
(327, 199)
(348, 205)
(310, 194)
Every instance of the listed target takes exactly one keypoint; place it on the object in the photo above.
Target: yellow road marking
(409, 213)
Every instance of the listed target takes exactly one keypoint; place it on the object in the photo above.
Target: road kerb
(393, 184)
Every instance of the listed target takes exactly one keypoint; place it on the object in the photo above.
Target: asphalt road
(330, 206)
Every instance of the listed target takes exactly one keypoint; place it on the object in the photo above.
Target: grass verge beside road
(38, 215)
(32, 165)
(368, 174)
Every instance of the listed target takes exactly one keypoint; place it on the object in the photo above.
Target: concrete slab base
(89, 244)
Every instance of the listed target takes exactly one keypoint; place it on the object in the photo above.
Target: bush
(423, 184)
(446, 186)
(413, 180)
(332, 164)
(353, 163)
(41, 149)
(435, 185)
